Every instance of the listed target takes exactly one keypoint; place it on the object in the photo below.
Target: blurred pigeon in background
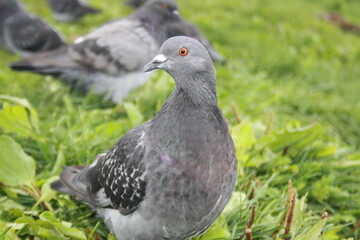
(110, 59)
(24, 33)
(170, 177)
(70, 10)
(184, 28)
(135, 3)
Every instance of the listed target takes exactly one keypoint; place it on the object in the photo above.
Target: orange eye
(183, 51)
(166, 6)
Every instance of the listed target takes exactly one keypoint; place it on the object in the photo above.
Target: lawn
(290, 91)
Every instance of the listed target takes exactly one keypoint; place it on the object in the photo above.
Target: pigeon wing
(117, 47)
(116, 179)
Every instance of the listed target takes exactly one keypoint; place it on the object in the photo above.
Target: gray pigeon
(135, 3)
(184, 28)
(24, 33)
(110, 59)
(170, 177)
(70, 10)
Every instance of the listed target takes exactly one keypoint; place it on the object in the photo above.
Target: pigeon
(25, 33)
(110, 59)
(170, 177)
(135, 3)
(70, 10)
(184, 28)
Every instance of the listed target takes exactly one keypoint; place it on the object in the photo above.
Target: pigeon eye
(183, 51)
(166, 6)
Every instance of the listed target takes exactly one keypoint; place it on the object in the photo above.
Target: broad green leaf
(314, 232)
(15, 119)
(7, 233)
(108, 129)
(244, 139)
(3, 233)
(7, 203)
(46, 192)
(18, 101)
(29, 224)
(49, 234)
(17, 168)
(133, 113)
(9, 192)
(332, 234)
(59, 226)
(298, 138)
(237, 202)
(243, 136)
(71, 232)
(215, 232)
(324, 151)
(111, 237)
(48, 217)
(31, 113)
(16, 226)
(60, 161)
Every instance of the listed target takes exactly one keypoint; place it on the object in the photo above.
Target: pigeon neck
(198, 88)
(181, 121)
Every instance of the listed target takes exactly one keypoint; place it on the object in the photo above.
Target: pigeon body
(170, 177)
(24, 33)
(110, 59)
(70, 10)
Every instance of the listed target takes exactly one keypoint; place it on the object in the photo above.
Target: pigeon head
(9, 4)
(189, 63)
(161, 10)
(8, 7)
(182, 56)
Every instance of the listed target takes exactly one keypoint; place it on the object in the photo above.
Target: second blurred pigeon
(135, 3)
(24, 33)
(110, 59)
(70, 10)
(183, 28)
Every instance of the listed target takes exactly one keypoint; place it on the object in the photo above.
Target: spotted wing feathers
(116, 179)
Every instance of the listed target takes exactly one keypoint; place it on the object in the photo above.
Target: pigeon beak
(156, 63)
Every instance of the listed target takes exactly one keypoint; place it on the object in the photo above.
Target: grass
(289, 90)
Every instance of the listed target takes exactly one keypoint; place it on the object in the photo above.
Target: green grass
(286, 69)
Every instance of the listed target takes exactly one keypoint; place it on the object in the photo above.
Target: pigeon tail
(46, 63)
(70, 183)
